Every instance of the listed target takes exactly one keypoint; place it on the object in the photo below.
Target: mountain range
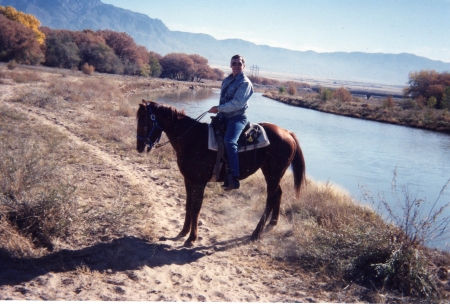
(155, 36)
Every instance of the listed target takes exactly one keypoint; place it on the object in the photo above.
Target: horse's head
(148, 130)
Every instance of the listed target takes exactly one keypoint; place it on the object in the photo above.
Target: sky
(420, 27)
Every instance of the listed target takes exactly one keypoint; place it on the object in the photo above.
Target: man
(235, 91)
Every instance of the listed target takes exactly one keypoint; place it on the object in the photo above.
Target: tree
(61, 51)
(155, 67)
(201, 68)
(27, 20)
(428, 83)
(217, 74)
(18, 42)
(177, 66)
(133, 57)
(95, 52)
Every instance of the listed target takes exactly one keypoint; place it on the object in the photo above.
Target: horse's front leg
(187, 217)
(195, 193)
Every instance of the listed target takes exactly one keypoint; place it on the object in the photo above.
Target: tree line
(23, 40)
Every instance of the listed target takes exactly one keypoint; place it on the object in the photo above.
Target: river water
(353, 153)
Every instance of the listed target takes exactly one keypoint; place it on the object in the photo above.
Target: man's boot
(232, 182)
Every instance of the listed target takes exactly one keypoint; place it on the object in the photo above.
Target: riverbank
(398, 112)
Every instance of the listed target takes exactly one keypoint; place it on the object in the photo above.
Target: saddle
(252, 137)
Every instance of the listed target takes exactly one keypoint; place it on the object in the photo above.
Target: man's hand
(214, 109)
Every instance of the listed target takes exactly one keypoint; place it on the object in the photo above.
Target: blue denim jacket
(234, 95)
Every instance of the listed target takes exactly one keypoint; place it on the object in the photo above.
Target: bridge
(368, 94)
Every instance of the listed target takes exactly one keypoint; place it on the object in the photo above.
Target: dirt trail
(223, 268)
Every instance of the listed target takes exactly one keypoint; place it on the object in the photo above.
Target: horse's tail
(298, 167)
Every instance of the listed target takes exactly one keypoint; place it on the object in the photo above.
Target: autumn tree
(177, 66)
(426, 84)
(134, 58)
(202, 70)
(217, 74)
(61, 50)
(18, 42)
(95, 51)
(27, 20)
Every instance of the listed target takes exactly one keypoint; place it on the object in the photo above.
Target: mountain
(154, 34)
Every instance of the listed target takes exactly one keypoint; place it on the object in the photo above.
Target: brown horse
(189, 138)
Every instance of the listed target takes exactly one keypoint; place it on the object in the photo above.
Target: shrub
(12, 64)
(325, 94)
(282, 90)
(88, 69)
(431, 102)
(409, 104)
(388, 102)
(342, 94)
(34, 199)
(292, 90)
(405, 267)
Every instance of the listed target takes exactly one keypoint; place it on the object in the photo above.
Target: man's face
(237, 66)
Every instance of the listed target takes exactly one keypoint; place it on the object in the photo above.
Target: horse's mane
(169, 111)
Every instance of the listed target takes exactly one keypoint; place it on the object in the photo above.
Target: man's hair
(238, 57)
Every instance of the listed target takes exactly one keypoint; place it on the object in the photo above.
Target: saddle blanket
(260, 142)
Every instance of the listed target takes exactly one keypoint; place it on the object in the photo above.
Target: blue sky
(395, 26)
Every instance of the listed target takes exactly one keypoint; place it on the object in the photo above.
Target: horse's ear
(144, 103)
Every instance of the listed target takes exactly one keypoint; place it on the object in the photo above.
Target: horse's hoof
(273, 222)
(180, 235)
(254, 237)
(188, 244)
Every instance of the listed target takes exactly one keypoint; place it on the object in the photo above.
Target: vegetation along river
(353, 153)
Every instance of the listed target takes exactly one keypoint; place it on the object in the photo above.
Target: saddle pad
(262, 140)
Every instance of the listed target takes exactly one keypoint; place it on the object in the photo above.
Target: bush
(282, 90)
(409, 104)
(388, 102)
(342, 94)
(325, 94)
(34, 200)
(12, 65)
(88, 69)
(405, 267)
(292, 90)
(431, 102)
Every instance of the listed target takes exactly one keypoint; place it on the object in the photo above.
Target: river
(349, 152)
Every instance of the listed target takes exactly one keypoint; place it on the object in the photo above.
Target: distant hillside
(152, 33)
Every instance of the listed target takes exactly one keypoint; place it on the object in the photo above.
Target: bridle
(154, 125)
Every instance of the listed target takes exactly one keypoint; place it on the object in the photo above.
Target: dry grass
(41, 177)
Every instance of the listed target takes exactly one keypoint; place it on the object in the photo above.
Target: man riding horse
(235, 91)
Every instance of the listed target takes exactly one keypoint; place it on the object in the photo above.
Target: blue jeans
(235, 125)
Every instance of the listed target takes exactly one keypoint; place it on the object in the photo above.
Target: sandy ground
(222, 267)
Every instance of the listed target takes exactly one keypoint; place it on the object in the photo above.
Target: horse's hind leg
(276, 206)
(273, 202)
